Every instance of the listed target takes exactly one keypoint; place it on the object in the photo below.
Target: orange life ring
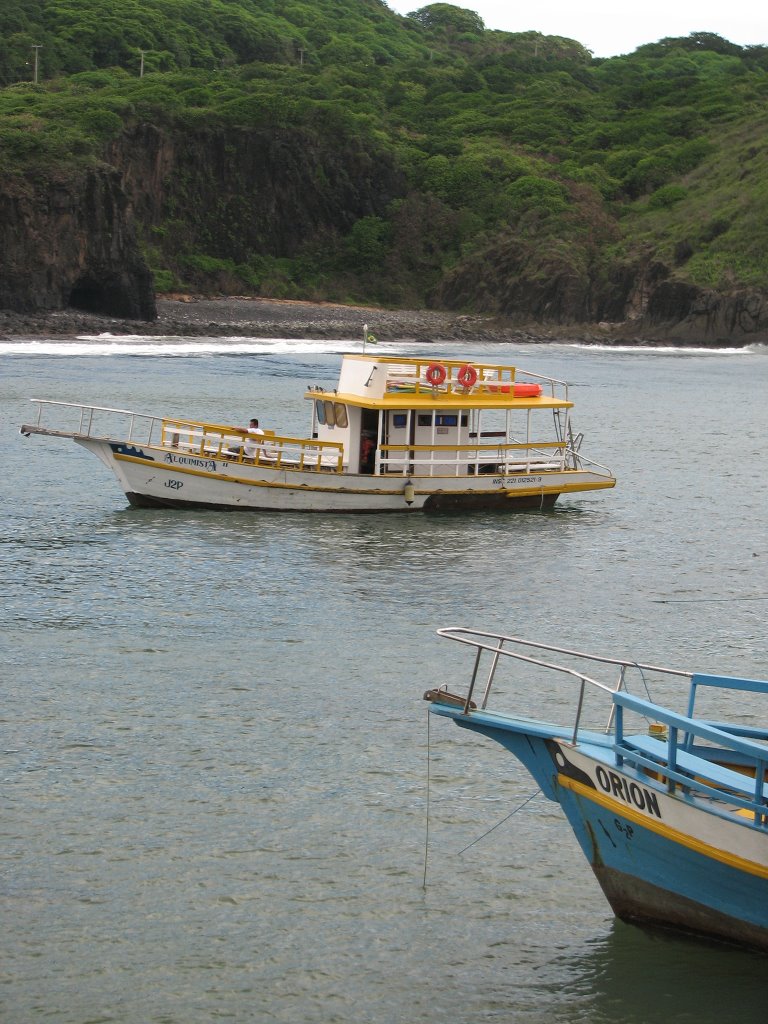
(467, 376)
(435, 374)
(526, 390)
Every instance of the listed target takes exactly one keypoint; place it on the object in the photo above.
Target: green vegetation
(482, 138)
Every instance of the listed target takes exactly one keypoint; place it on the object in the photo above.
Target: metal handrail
(206, 439)
(87, 419)
(405, 457)
(495, 644)
(696, 772)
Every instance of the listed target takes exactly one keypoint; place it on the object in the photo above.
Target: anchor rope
(498, 823)
(426, 829)
(426, 824)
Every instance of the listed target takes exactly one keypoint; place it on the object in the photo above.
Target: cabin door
(369, 432)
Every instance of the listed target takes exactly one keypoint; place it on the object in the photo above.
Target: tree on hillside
(447, 18)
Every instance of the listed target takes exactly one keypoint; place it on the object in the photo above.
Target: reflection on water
(639, 977)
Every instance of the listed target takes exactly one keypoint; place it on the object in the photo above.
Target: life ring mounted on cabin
(467, 376)
(435, 374)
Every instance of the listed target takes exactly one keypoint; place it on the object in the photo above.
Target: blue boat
(669, 806)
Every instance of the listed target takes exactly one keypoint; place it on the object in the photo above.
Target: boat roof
(429, 382)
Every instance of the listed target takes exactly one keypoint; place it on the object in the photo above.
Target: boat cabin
(424, 417)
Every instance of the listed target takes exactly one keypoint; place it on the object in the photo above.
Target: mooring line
(704, 600)
(426, 830)
(426, 824)
(494, 827)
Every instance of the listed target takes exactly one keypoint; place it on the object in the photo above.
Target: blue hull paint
(648, 879)
(636, 860)
(669, 806)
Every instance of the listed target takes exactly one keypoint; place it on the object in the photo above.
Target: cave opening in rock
(123, 294)
(90, 296)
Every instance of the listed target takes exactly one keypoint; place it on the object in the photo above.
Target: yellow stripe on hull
(673, 835)
(376, 491)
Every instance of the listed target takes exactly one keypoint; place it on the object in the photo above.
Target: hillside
(336, 151)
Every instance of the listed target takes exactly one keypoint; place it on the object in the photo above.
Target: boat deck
(694, 758)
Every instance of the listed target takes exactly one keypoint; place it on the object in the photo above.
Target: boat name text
(187, 460)
(510, 481)
(629, 792)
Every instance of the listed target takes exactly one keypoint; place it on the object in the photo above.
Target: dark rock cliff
(71, 242)
(75, 241)
(681, 312)
(642, 300)
(231, 196)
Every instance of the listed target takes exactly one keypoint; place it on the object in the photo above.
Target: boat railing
(452, 378)
(575, 460)
(236, 445)
(697, 756)
(491, 647)
(459, 459)
(72, 419)
(571, 455)
(192, 437)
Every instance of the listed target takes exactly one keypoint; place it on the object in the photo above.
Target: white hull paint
(155, 477)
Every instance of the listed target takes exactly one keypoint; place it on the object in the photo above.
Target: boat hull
(653, 907)
(662, 868)
(661, 861)
(155, 478)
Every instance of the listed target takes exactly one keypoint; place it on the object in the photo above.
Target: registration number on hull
(512, 481)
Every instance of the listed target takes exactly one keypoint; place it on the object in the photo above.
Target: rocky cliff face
(575, 287)
(231, 196)
(71, 242)
(681, 312)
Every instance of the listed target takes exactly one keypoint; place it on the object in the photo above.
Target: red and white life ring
(467, 376)
(435, 374)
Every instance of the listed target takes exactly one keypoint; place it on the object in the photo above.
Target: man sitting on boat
(254, 448)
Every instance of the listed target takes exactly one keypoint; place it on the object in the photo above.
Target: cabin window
(441, 419)
(399, 419)
(331, 414)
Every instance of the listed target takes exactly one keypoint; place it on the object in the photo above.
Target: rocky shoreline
(270, 318)
(249, 317)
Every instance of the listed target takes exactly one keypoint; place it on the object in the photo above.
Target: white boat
(397, 434)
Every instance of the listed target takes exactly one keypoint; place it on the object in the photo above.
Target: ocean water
(214, 747)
